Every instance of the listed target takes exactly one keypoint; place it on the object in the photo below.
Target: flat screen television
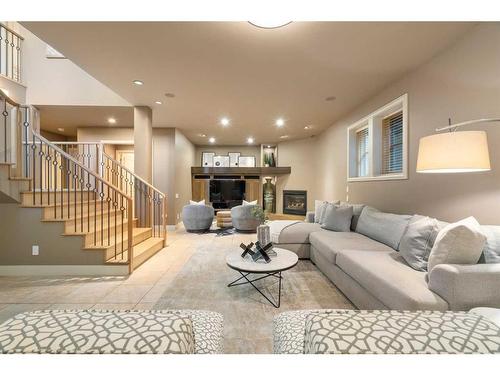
(226, 193)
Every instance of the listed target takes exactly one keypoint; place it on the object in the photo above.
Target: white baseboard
(37, 270)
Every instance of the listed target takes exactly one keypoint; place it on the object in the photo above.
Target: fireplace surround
(295, 202)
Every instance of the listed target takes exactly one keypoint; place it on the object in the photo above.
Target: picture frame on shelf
(221, 161)
(247, 161)
(207, 159)
(234, 159)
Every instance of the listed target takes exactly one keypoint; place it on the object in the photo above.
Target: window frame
(375, 143)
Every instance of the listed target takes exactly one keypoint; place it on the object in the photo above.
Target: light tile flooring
(141, 290)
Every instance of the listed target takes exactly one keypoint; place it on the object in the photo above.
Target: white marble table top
(284, 260)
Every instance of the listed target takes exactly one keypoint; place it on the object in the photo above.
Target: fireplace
(295, 202)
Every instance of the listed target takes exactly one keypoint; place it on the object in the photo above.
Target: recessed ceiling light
(269, 23)
(284, 136)
(250, 140)
(170, 95)
(60, 129)
(268, 146)
(330, 98)
(211, 140)
(112, 120)
(158, 102)
(202, 135)
(280, 122)
(307, 127)
(138, 82)
(224, 121)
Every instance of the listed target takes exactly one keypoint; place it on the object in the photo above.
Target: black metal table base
(244, 275)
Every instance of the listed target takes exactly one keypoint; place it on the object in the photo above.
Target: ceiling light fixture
(307, 127)
(60, 129)
(211, 140)
(112, 120)
(280, 122)
(158, 102)
(284, 136)
(250, 140)
(269, 23)
(224, 121)
(202, 135)
(138, 82)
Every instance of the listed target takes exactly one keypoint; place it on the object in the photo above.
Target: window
(377, 144)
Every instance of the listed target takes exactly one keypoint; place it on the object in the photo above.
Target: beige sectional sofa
(374, 275)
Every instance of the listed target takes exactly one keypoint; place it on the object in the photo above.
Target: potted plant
(263, 230)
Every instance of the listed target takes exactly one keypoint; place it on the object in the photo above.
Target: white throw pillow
(200, 203)
(320, 209)
(458, 243)
(252, 203)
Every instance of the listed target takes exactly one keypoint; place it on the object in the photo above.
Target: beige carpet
(202, 284)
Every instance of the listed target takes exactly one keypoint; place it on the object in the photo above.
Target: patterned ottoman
(113, 332)
(383, 332)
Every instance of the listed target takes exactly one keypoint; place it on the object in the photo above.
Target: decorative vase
(269, 196)
(263, 234)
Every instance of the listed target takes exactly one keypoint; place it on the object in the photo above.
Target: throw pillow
(252, 203)
(338, 218)
(200, 203)
(491, 250)
(320, 209)
(356, 213)
(458, 243)
(382, 227)
(416, 244)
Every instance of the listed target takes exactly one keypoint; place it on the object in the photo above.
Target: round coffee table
(284, 260)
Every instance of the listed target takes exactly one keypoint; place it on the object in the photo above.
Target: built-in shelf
(257, 171)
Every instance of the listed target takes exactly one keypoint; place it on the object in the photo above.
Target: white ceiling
(248, 74)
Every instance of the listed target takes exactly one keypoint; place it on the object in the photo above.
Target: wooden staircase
(112, 210)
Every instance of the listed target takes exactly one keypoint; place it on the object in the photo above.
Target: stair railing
(8, 129)
(149, 202)
(76, 192)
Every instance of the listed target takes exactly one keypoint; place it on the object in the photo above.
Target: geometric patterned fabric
(112, 332)
(385, 332)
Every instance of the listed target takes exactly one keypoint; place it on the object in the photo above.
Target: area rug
(202, 284)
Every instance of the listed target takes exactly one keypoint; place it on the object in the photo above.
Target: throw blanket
(277, 226)
(384, 332)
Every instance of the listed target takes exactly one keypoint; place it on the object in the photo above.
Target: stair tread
(139, 249)
(125, 221)
(135, 232)
(85, 216)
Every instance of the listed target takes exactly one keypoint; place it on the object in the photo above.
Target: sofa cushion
(416, 244)
(337, 218)
(383, 227)
(458, 243)
(356, 213)
(491, 250)
(329, 243)
(320, 209)
(388, 278)
(291, 232)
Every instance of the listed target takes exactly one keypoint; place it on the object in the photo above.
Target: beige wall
(96, 134)
(301, 157)
(223, 150)
(16, 91)
(164, 167)
(184, 160)
(143, 138)
(462, 82)
(55, 249)
(59, 81)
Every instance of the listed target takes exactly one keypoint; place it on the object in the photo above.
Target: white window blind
(392, 143)
(362, 138)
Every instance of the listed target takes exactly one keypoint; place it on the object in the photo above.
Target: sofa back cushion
(320, 210)
(418, 240)
(356, 213)
(458, 243)
(491, 250)
(383, 227)
(337, 218)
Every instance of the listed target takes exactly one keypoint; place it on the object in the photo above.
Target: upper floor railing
(10, 53)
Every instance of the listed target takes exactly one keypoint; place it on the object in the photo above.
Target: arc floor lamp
(455, 151)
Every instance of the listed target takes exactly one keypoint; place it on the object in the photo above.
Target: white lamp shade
(454, 152)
